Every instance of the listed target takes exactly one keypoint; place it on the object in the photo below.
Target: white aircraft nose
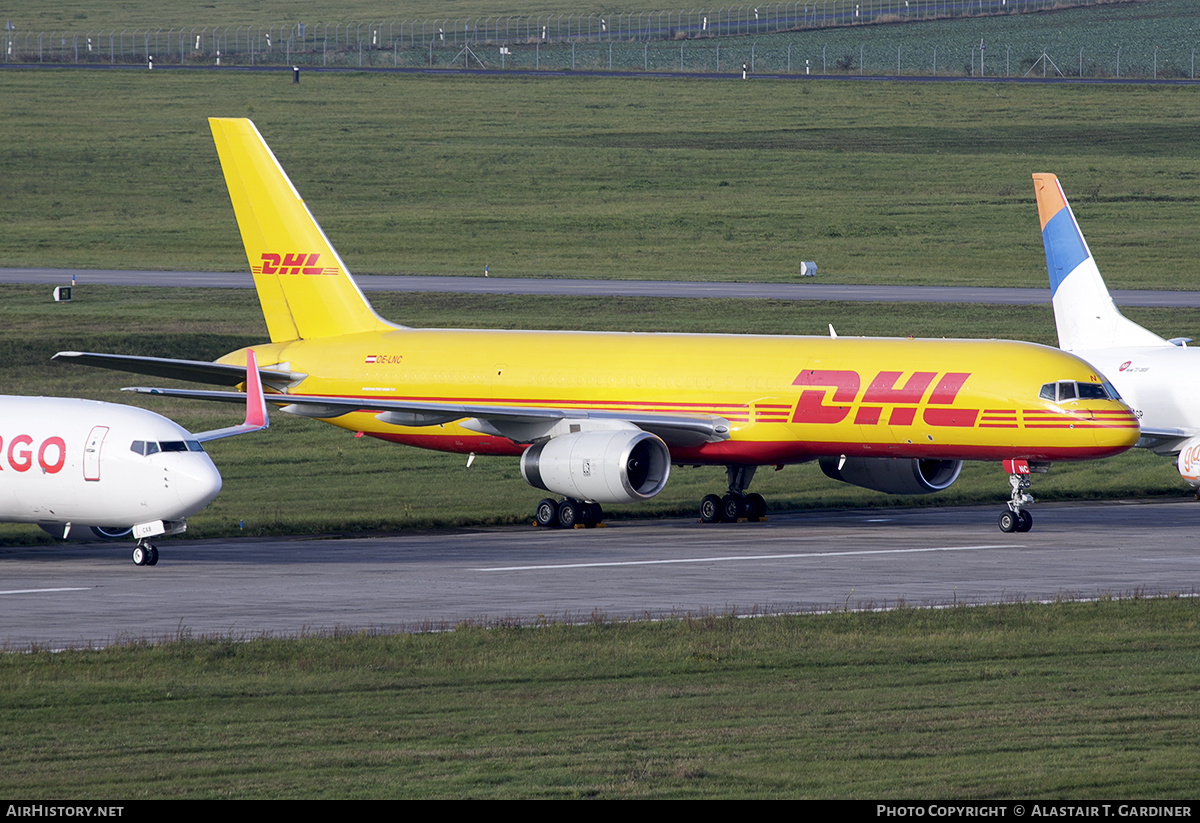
(197, 481)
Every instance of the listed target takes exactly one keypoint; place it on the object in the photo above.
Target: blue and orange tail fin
(303, 285)
(1084, 312)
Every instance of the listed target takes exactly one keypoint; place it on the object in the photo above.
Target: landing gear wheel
(595, 514)
(736, 503)
(568, 514)
(1026, 521)
(546, 514)
(145, 555)
(1018, 518)
(756, 507)
(732, 506)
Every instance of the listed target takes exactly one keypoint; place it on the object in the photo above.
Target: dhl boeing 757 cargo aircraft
(602, 417)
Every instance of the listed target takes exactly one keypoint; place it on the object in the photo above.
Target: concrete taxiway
(91, 594)
(808, 290)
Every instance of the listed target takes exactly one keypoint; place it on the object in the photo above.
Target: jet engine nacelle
(893, 475)
(1188, 462)
(620, 466)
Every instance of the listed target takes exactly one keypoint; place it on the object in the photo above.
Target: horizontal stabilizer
(195, 371)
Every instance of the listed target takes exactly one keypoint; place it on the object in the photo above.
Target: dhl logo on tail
(292, 264)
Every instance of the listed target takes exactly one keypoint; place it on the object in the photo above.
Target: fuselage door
(91, 452)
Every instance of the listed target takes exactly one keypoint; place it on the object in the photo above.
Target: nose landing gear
(145, 554)
(1016, 518)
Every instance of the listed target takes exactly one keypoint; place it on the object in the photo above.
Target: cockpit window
(1065, 390)
(149, 447)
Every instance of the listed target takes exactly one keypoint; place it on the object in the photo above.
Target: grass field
(1019, 701)
(72, 14)
(879, 183)
(1125, 39)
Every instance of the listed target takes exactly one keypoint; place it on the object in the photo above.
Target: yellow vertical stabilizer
(303, 285)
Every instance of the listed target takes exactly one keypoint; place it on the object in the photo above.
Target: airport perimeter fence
(773, 38)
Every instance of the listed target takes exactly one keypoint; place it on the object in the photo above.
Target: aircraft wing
(195, 371)
(521, 424)
(1164, 441)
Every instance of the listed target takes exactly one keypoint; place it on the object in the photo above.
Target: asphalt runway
(809, 290)
(92, 594)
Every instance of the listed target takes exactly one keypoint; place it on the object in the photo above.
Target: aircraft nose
(1118, 430)
(197, 482)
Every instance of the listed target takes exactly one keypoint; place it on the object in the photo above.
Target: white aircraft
(1155, 377)
(118, 469)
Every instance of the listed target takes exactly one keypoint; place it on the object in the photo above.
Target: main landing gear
(1016, 518)
(735, 504)
(145, 554)
(568, 513)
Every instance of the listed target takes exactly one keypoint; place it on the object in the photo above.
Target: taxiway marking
(44, 591)
(736, 558)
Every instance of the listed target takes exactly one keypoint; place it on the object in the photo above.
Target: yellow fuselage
(787, 399)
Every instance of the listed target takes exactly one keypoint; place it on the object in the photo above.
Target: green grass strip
(1068, 701)
(879, 183)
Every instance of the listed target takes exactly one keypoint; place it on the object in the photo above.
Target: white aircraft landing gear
(1016, 518)
(145, 554)
(736, 504)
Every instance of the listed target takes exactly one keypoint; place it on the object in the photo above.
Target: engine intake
(1188, 462)
(893, 475)
(620, 466)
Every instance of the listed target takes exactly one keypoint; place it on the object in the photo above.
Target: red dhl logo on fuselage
(291, 264)
(885, 391)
